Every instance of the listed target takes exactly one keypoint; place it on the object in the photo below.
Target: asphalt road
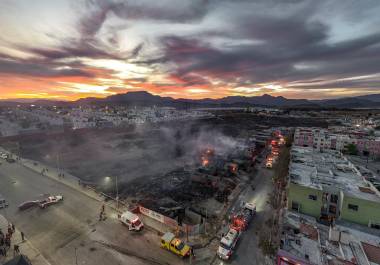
(247, 250)
(69, 232)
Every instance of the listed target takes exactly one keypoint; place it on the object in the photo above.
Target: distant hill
(367, 101)
(143, 98)
(374, 97)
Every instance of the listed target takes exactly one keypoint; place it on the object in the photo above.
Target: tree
(351, 149)
(24, 123)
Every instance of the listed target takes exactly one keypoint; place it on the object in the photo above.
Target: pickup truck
(175, 245)
(50, 200)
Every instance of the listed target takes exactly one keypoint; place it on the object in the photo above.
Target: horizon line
(179, 98)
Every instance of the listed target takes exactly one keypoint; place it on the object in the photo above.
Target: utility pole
(187, 233)
(18, 151)
(58, 170)
(206, 223)
(117, 194)
(76, 256)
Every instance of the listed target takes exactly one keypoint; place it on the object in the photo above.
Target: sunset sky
(70, 49)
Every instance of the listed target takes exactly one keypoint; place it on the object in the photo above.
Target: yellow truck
(175, 245)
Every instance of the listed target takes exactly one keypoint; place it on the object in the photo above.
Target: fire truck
(240, 220)
(228, 243)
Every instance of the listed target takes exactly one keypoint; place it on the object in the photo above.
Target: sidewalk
(53, 173)
(204, 255)
(26, 247)
(69, 180)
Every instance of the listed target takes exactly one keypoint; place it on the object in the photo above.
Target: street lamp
(107, 180)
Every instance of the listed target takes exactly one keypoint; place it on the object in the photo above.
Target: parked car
(10, 160)
(3, 202)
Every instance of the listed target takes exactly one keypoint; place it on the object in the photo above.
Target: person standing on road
(16, 250)
(13, 228)
(102, 212)
(8, 241)
(10, 230)
(4, 250)
(22, 236)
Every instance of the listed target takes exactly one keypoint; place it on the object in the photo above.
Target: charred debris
(212, 175)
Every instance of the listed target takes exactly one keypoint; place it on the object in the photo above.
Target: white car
(50, 200)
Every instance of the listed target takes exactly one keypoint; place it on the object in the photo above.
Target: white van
(3, 202)
(132, 221)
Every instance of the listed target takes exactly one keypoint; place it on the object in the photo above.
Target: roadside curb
(27, 248)
(70, 185)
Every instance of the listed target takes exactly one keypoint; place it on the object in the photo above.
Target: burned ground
(140, 153)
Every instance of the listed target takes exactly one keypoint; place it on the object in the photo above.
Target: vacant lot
(147, 150)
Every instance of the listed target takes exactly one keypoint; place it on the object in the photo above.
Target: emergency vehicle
(132, 221)
(175, 245)
(228, 243)
(242, 218)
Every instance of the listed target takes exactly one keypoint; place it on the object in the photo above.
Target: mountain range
(143, 98)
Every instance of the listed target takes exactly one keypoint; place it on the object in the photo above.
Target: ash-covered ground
(141, 152)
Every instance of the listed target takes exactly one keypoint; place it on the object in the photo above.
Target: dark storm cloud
(214, 44)
(173, 11)
(343, 84)
(279, 45)
(41, 67)
(69, 52)
(290, 40)
(37, 69)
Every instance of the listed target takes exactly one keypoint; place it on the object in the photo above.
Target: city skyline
(189, 49)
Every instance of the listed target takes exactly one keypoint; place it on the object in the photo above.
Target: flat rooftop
(304, 237)
(329, 170)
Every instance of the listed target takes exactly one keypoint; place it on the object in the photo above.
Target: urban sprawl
(210, 186)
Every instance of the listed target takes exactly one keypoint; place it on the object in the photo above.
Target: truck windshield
(180, 246)
(225, 246)
(137, 222)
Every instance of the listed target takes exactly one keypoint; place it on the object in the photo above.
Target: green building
(327, 186)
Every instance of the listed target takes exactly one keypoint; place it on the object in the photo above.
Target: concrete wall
(367, 211)
(300, 194)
